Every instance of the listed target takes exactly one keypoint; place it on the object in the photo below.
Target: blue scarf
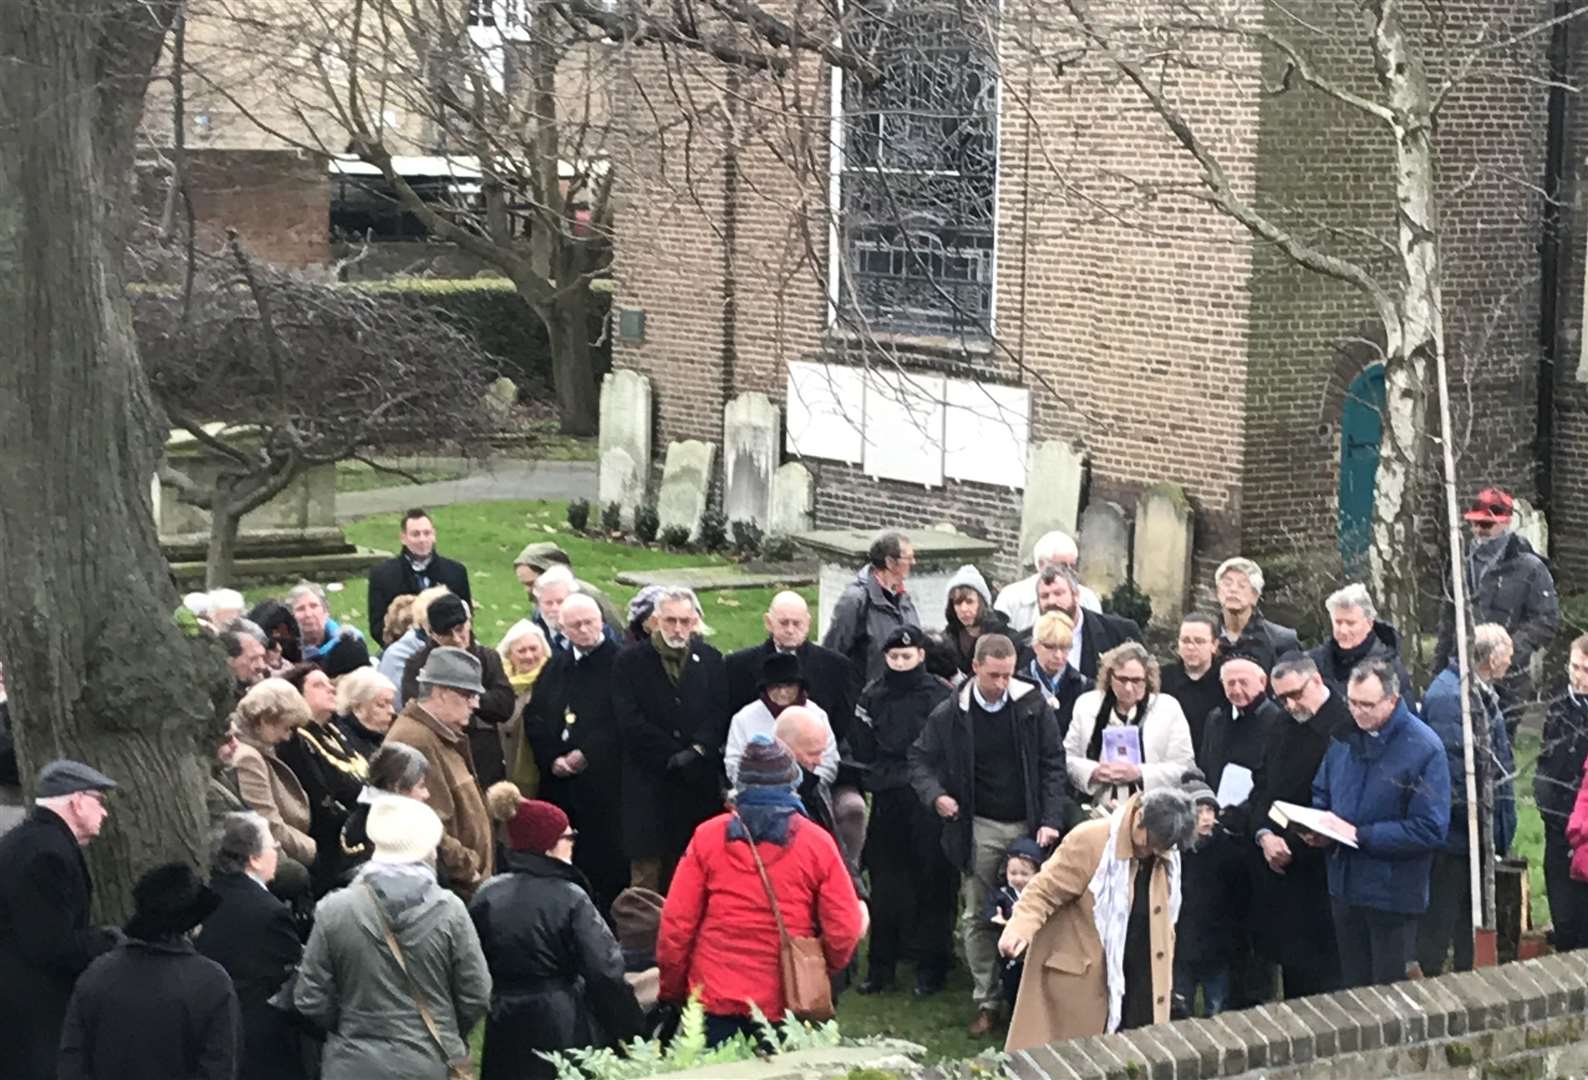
(766, 811)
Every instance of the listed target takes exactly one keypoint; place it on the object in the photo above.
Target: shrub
(491, 310)
(747, 539)
(579, 514)
(675, 536)
(779, 549)
(1131, 603)
(713, 530)
(646, 523)
(611, 518)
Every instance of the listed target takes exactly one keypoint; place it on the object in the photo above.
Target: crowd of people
(569, 832)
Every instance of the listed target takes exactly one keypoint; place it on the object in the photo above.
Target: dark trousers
(1448, 920)
(1568, 899)
(1304, 980)
(914, 888)
(1374, 945)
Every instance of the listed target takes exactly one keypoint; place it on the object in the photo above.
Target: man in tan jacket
(435, 725)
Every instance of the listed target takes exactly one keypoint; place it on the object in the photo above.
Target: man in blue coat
(1386, 788)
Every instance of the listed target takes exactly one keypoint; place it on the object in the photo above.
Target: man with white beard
(670, 694)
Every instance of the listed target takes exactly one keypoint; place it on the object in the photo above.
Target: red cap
(1491, 505)
(537, 826)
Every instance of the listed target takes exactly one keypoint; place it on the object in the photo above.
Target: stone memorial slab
(686, 483)
(1532, 526)
(1054, 473)
(500, 398)
(751, 436)
(793, 500)
(1164, 523)
(625, 426)
(1104, 541)
(938, 553)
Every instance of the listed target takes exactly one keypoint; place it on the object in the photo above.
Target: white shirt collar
(988, 706)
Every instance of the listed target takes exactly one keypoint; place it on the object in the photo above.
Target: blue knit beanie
(767, 763)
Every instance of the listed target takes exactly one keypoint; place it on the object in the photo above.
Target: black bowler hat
(169, 900)
(781, 669)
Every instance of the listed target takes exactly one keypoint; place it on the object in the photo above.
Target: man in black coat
(1295, 928)
(1555, 784)
(829, 676)
(416, 568)
(45, 893)
(1093, 633)
(991, 763)
(572, 727)
(1193, 680)
(670, 693)
(252, 935)
(1355, 635)
(1233, 742)
(1239, 583)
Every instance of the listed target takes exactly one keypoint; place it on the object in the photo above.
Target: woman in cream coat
(1127, 693)
(267, 716)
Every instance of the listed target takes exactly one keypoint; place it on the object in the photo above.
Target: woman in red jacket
(718, 934)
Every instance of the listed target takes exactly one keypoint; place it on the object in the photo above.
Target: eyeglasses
(1130, 680)
(571, 834)
(1291, 695)
(1365, 706)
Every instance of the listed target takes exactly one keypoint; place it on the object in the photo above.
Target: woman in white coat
(1126, 736)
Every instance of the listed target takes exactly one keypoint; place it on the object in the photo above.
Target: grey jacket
(350, 984)
(864, 616)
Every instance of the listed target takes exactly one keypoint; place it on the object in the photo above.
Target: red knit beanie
(537, 826)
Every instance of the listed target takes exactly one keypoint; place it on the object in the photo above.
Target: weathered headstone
(686, 481)
(752, 432)
(619, 480)
(1164, 521)
(500, 398)
(1532, 526)
(1054, 472)
(793, 500)
(625, 426)
(1105, 547)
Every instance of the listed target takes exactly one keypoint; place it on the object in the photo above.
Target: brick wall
(1521, 1019)
(1569, 501)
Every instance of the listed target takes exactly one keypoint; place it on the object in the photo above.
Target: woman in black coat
(556, 970)
(253, 937)
(152, 1008)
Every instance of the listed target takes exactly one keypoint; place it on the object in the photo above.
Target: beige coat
(269, 787)
(1064, 991)
(467, 845)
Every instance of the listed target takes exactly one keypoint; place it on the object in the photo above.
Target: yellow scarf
(526, 772)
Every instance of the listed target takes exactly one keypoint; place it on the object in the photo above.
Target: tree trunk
(1419, 338)
(221, 556)
(98, 667)
(572, 368)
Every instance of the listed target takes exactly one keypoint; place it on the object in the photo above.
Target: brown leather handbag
(807, 988)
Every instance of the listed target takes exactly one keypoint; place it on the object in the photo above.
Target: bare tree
(274, 374)
(98, 667)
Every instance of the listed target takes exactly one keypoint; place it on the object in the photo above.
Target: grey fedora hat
(454, 668)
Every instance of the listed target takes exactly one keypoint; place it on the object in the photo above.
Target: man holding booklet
(1384, 790)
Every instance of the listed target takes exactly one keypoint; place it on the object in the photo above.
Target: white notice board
(904, 427)
(987, 430)
(826, 411)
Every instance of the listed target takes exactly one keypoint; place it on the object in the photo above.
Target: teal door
(1361, 425)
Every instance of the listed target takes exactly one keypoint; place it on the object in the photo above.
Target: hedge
(504, 326)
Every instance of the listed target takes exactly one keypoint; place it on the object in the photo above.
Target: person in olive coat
(556, 970)
(153, 1008)
(45, 893)
(252, 935)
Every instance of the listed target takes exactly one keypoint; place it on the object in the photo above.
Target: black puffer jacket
(556, 970)
(1384, 643)
(889, 718)
(1518, 592)
(1560, 760)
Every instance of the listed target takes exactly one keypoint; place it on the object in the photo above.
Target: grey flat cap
(455, 668)
(66, 777)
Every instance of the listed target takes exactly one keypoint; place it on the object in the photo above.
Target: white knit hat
(403, 830)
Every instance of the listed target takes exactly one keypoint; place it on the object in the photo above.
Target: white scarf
(1111, 898)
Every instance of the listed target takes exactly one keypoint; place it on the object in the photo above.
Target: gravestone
(752, 432)
(1105, 547)
(620, 480)
(1054, 471)
(686, 481)
(793, 500)
(625, 426)
(1164, 522)
(500, 398)
(1532, 526)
